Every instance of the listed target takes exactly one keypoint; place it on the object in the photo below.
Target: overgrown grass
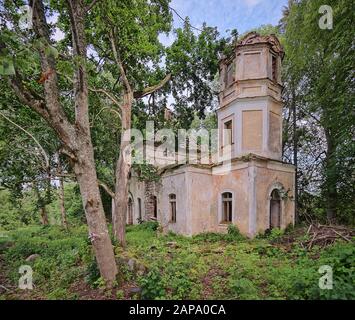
(207, 266)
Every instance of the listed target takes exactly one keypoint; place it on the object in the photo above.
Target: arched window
(172, 201)
(275, 209)
(227, 207)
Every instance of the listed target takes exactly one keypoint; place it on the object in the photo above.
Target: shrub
(148, 225)
(152, 285)
(234, 232)
(244, 289)
(92, 273)
(275, 234)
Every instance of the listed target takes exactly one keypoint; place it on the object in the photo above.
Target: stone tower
(250, 98)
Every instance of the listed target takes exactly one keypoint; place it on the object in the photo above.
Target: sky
(242, 15)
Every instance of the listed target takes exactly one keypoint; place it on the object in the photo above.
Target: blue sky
(224, 14)
(228, 14)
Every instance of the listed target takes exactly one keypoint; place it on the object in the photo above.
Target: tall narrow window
(155, 203)
(140, 208)
(274, 69)
(229, 78)
(227, 207)
(228, 133)
(275, 209)
(172, 200)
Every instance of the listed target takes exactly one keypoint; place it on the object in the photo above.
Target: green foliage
(92, 273)
(234, 232)
(63, 257)
(244, 289)
(146, 172)
(148, 225)
(275, 234)
(341, 259)
(119, 295)
(208, 266)
(13, 216)
(318, 68)
(152, 285)
(20, 212)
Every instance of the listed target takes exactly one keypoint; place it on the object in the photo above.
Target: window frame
(221, 207)
(172, 205)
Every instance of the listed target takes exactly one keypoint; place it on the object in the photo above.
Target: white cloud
(251, 3)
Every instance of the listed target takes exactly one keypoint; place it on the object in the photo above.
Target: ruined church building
(257, 191)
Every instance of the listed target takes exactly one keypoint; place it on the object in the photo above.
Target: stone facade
(255, 190)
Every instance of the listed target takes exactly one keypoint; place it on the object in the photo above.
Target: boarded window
(227, 207)
(274, 132)
(274, 69)
(230, 74)
(172, 200)
(252, 129)
(252, 65)
(228, 133)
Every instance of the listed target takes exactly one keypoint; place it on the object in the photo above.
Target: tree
(45, 98)
(125, 35)
(320, 71)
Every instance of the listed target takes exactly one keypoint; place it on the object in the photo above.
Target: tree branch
(46, 159)
(152, 89)
(107, 94)
(109, 109)
(119, 62)
(91, 5)
(106, 188)
(56, 115)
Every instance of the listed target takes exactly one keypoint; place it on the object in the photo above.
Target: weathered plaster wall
(236, 182)
(271, 175)
(202, 200)
(174, 183)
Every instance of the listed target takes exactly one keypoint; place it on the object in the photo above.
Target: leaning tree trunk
(85, 172)
(122, 173)
(75, 138)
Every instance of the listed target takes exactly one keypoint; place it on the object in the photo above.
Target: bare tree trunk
(42, 206)
(98, 232)
(61, 198)
(123, 167)
(44, 216)
(295, 151)
(76, 138)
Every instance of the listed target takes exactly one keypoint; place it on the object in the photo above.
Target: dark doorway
(275, 209)
(140, 208)
(155, 207)
(130, 211)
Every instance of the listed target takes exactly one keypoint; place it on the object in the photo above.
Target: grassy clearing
(207, 266)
